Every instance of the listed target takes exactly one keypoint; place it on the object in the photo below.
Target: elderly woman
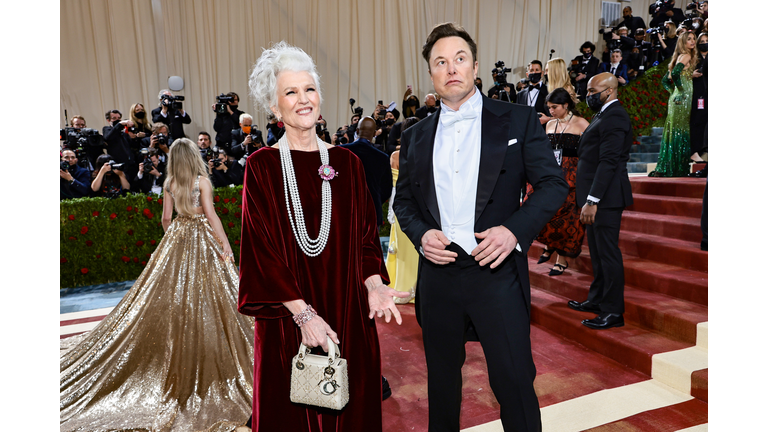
(311, 263)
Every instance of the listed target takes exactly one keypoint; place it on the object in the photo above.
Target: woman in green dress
(674, 157)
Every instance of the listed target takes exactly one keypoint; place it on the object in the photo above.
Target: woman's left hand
(380, 302)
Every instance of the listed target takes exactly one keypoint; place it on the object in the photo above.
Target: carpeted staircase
(647, 152)
(665, 336)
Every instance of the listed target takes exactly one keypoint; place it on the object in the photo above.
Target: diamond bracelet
(302, 317)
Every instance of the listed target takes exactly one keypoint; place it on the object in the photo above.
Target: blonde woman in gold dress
(174, 354)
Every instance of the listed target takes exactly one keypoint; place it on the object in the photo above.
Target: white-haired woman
(310, 259)
(174, 354)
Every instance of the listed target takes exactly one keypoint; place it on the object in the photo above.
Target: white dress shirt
(590, 197)
(456, 167)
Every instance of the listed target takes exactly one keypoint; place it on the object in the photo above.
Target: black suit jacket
(423, 111)
(541, 100)
(175, 121)
(514, 151)
(603, 156)
(378, 172)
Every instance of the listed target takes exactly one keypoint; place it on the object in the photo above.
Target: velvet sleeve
(373, 260)
(667, 83)
(676, 72)
(266, 281)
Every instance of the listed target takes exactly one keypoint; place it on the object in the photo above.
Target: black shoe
(605, 321)
(654, 174)
(386, 390)
(585, 306)
(702, 173)
(558, 269)
(544, 258)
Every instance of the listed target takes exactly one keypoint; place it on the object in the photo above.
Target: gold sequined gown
(173, 355)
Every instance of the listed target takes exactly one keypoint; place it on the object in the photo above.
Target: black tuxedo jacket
(175, 121)
(603, 156)
(514, 151)
(541, 100)
(378, 172)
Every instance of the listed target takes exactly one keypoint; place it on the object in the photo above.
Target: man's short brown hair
(157, 126)
(447, 30)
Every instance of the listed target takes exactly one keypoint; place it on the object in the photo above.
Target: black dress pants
(451, 296)
(607, 289)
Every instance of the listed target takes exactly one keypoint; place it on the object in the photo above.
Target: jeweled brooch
(326, 172)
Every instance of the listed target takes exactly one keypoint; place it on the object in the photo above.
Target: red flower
(237, 215)
(152, 242)
(84, 270)
(130, 232)
(149, 255)
(143, 263)
(637, 118)
(226, 200)
(84, 230)
(139, 243)
(88, 243)
(130, 216)
(71, 217)
(237, 242)
(150, 216)
(125, 259)
(72, 238)
(95, 214)
(240, 206)
(230, 224)
(218, 209)
(135, 259)
(149, 198)
(216, 198)
(160, 200)
(159, 224)
(233, 200)
(136, 209)
(98, 256)
(129, 208)
(225, 210)
(112, 216)
(63, 260)
(146, 211)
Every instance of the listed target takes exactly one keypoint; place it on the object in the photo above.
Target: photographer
(583, 68)
(227, 117)
(321, 128)
(535, 94)
(429, 108)
(108, 179)
(158, 140)
(171, 113)
(385, 126)
(665, 10)
(138, 116)
(501, 88)
(224, 171)
(275, 130)
(410, 103)
(616, 39)
(631, 22)
(668, 42)
(75, 180)
(86, 142)
(151, 173)
(245, 140)
(340, 137)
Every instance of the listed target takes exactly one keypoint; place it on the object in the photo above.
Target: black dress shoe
(585, 306)
(605, 321)
(386, 390)
(702, 173)
(544, 258)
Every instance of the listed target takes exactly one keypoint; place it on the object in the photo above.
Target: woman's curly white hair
(279, 57)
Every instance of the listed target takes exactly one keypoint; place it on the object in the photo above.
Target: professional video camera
(65, 166)
(660, 5)
(172, 102)
(610, 42)
(341, 137)
(653, 31)
(694, 6)
(221, 103)
(116, 166)
(357, 111)
(577, 67)
(256, 135)
(78, 138)
(501, 72)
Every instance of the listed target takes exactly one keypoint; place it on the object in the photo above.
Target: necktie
(537, 86)
(449, 117)
(613, 70)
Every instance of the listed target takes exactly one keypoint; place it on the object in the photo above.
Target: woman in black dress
(700, 103)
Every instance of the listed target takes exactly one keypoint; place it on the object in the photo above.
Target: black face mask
(479, 87)
(389, 122)
(534, 77)
(140, 114)
(431, 109)
(594, 101)
(587, 55)
(703, 47)
(233, 107)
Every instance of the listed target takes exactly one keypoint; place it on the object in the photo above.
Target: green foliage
(110, 240)
(644, 99)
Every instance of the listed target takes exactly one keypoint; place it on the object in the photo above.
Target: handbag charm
(320, 380)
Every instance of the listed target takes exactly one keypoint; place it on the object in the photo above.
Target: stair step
(683, 284)
(678, 227)
(657, 131)
(685, 187)
(700, 385)
(672, 317)
(676, 367)
(645, 148)
(681, 253)
(666, 205)
(649, 140)
(630, 345)
(637, 167)
(643, 157)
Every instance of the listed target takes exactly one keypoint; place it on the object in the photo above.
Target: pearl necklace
(310, 247)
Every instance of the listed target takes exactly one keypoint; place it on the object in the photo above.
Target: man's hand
(433, 243)
(696, 74)
(155, 172)
(670, 13)
(141, 168)
(66, 175)
(580, 77)
(119, 173)
(498, 242)
(248, 139)
(210, 166)
(164, 108)
(588, 213)
(622, 80)
(153, 141)
(544, 119)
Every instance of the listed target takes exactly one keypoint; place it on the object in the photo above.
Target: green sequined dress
(674, 156)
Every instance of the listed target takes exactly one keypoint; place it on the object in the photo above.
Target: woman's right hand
(316, 331)
(105, 168)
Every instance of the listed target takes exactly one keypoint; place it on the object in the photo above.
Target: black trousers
(452, 296)
(607, 289)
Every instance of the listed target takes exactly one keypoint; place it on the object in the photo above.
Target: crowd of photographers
(130, 154)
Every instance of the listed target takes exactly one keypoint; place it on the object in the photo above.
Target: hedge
(110, 240)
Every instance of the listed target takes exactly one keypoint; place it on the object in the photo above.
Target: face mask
(479, 87)
(534, 77)
(587, 55)
(432, 109)
(389, 122)
(703, 47)
(233, 107)
(140, 114)
(246, 129)
(594, 101)
(695, 25)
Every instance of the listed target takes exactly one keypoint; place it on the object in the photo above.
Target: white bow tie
(448, 118)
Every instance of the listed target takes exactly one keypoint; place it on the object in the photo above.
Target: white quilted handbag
(318, 380)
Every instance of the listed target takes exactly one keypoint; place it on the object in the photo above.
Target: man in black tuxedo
(175, 119)
(668, 12)
(535, 95)
(603, 191)
(586, 66)
(429, 108)
(631, 22)
(462, 171)
(378, 173)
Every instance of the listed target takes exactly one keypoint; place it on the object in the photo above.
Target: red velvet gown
(273, 269)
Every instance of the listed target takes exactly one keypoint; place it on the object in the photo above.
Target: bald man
(378, 173)
(603, 191)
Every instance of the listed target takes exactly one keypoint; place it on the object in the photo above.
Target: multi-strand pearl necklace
(310, 247)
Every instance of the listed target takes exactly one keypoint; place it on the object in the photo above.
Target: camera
(576, 68)
(162, 139)
(694, 5)
(132, 129)
(659, 5)
(116, 166)
(172, 102)
(501, 72)
(356, 111)
(221, 103)
(65, 166)
(341, 137)
(611, 43)
(79, 138)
